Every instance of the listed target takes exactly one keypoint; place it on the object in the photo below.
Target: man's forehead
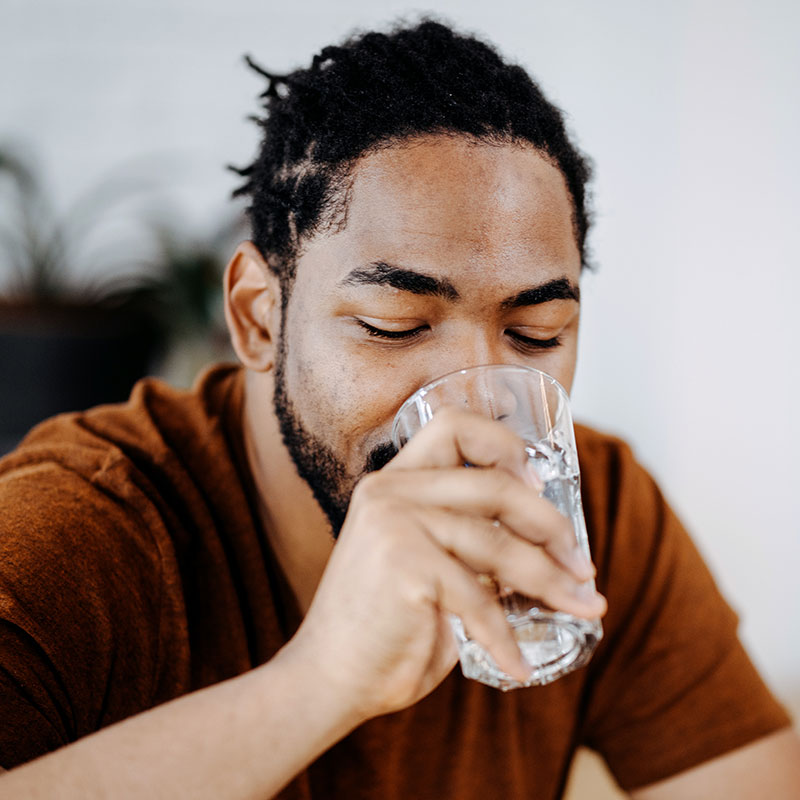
(434, 167)
(445, 193)
(456, 210)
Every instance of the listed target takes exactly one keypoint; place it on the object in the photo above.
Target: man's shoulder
(156, 424)
(621, 500)
(603, 457)
(595, 440)
(135, 476)
(102, 479)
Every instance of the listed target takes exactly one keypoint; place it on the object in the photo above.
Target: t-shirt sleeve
(81, 600)
(671, 685)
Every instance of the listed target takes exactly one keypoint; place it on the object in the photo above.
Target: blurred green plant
(188, 284)
(175, 281)
(42, 251)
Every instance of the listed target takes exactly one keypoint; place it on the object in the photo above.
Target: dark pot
(67, 358)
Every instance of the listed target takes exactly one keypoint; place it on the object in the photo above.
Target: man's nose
(468, 350)
(486, 393)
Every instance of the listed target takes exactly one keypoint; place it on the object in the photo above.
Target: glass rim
(424, 389)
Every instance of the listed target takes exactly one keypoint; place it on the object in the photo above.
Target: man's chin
(316, 463)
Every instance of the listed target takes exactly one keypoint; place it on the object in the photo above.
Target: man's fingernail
(532, 477)
(586, 592)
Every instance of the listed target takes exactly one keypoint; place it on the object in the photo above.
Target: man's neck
(295, 526)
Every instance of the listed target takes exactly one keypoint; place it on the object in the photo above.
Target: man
(255, 553)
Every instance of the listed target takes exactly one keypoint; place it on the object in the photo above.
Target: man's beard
(316, 463)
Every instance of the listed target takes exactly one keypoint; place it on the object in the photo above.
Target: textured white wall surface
(691, 112)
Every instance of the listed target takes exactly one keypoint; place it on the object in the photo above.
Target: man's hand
(417, 536)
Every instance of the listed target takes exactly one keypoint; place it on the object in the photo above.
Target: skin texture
(492, 221)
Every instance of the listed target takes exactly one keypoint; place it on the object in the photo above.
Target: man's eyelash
(534, 344)
(523, 341)
(384, 334)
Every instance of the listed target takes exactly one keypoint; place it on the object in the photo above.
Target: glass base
(553, 643)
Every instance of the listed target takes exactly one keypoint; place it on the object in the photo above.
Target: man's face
(453, 254)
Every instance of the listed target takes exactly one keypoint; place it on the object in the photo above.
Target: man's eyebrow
(379, 273)
(557, 289)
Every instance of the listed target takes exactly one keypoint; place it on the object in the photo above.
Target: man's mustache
(380, 456)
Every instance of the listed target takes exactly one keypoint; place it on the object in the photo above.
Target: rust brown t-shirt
(133, 569)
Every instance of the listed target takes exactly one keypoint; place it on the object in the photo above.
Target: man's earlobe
(252, 307)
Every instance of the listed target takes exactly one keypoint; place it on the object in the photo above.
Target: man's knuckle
(370, 489)
(382, 513)
(445, 421)
(448, 414)
(488, 481)
(480, 604)
(388, 546)
(540, 571)
(503, 543)
(504, 489)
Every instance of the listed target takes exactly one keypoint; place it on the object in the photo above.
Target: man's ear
(252, 307)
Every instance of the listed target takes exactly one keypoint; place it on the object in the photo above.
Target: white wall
(691, 112)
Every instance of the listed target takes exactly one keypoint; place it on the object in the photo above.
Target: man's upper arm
(80, 603)
(769, 767)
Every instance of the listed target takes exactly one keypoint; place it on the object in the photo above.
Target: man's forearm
(244, 738)
(768, 767)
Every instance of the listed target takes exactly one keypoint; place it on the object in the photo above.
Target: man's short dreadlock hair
(374, 90)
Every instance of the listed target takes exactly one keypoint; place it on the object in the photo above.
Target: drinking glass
(536, 407)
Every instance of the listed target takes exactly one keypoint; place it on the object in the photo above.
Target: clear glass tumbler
(536, 407)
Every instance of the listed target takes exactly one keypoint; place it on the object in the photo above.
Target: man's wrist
(332, 703)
